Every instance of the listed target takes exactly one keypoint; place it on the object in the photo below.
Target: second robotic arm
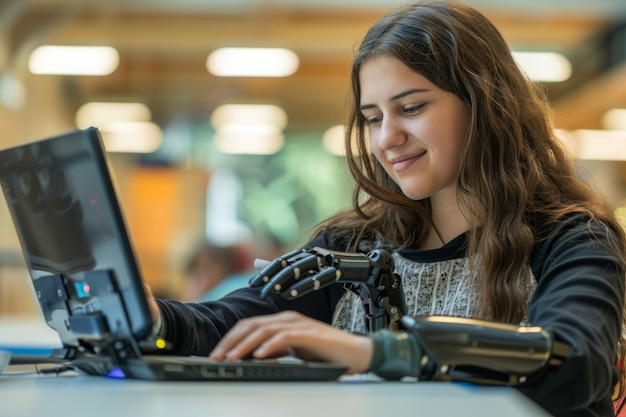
(464, 349)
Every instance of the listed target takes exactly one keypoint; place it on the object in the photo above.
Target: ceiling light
(249, 128)
(252, 62)
(131, 137)
(249, 115)
(73, 60)
(333, 140)
(100, 114)
(544, 66)
(599, 145)
(615, 119)
(262, 143)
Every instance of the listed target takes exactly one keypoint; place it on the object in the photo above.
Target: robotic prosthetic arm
(448, 348)
(481, 351)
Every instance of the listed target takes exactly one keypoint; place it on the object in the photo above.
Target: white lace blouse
(431, 288)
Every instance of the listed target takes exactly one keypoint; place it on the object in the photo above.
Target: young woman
(458, 172)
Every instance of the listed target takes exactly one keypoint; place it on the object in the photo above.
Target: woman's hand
(291, 333)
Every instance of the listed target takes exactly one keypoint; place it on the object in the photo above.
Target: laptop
(85, 275)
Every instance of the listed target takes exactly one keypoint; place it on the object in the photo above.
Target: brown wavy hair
(512, 165)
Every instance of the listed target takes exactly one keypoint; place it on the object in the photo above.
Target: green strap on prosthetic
(396, 355)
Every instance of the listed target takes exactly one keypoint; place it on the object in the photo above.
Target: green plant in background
(287, 193)
(304, 184)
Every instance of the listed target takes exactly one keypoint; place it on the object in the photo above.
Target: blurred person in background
(213, 271)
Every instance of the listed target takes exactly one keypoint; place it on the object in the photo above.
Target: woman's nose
(392, 133)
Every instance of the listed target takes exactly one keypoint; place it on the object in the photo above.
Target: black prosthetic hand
(370, 276)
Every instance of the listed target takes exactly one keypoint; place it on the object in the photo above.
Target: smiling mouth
(402, 163)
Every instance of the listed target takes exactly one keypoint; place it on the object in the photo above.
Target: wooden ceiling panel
(163, 55)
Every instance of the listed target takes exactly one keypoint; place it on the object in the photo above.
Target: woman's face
(416, 128)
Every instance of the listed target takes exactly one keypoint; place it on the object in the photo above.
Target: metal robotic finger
(275, 266)
(284, 278)
(311, 283)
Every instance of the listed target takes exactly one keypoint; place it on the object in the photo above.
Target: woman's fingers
(321, 342)
(299, 340)
(292, 333)
(248, 333)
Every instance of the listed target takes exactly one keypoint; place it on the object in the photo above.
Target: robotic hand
(369, 276)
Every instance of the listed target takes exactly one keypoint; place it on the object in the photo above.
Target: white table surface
(26, 394)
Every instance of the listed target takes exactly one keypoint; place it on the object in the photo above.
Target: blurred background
(247, 158)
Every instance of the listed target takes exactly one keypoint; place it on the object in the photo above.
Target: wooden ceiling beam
(585, 107)
(163, 57)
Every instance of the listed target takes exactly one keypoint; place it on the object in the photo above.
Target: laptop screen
(62, 201)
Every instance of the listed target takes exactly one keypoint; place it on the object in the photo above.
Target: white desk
(74, 396)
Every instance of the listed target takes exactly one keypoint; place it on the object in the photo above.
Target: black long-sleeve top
(578, 299)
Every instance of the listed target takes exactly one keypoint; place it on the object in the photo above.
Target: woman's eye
(373, 120)
(413, 109)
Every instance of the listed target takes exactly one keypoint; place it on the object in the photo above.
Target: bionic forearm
(451, 348)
